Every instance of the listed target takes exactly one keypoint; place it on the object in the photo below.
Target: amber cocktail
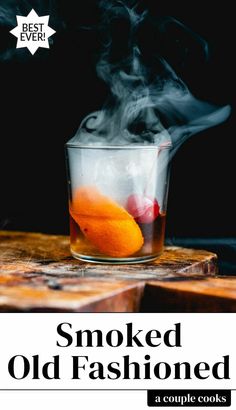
(117, 202)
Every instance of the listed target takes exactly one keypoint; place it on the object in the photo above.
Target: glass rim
(118, 147)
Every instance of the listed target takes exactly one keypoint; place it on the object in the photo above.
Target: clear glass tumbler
(117, 202)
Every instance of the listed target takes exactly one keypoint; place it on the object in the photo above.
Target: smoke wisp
(148, 102)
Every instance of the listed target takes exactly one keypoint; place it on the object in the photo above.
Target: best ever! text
(32, 31)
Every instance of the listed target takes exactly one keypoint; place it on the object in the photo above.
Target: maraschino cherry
(144, 209)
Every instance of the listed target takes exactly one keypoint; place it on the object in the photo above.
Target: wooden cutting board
(38, 274)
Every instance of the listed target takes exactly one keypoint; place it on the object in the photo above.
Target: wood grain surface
(37, 273)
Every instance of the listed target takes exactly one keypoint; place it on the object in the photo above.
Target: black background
(45, 96)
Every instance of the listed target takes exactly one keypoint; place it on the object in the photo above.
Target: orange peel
(106, 224)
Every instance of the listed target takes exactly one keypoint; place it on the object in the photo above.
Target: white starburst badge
(32, 31)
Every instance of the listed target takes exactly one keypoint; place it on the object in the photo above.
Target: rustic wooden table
(37, 274)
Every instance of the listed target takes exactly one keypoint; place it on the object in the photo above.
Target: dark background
(44, 97)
